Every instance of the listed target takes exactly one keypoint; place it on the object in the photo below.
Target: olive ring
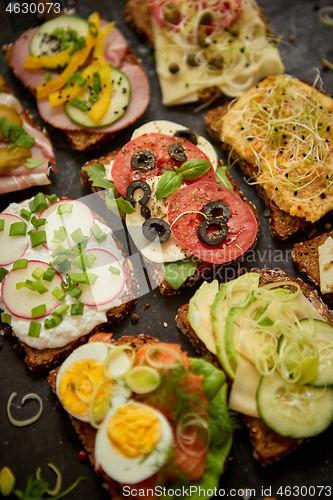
(177, 152)
(187, 134)
(156, 228)
(216, 210)
(143, 160)
(212, 240)
(133, 186)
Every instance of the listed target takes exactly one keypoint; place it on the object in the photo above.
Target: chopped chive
(98, 234)
(84, 261)
(75, 292)
(39, 287)
(38, 203)
(66, 208)
(72, 77)
(52, 198)
(59, 235)
(79, 238)
(34, 329)
(2, 224)
(29, 284)
(65, 266)
(6, 318)
(20, 264)
(25, 214)
(38, 311)
(47, 77)
(52, 322)
(79, 105)
(60, 310)
(59, 259)
(77, 308)
(114, 271)
(18, 229)
(37, 238)
(3, 272)
(72, 252)
(81, 81)
(58, 294)
(79, 277)
(38, 222)
(37, 273)
(21, 284)
(59, 249)
(49, 274)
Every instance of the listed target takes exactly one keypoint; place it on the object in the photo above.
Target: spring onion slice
(60, 310)
(58, 294)
(99, 406)
(234, 288)
(37, 273)
(18, 229)
(23, 423)
(20, 264)
(325, 15)
(112, 355)
(66, 208)
(143, 379)
(57, 488)
(2, 224)
(34, 329)
(186, 439)
(153, 351)
(38, 311)
(49, 274)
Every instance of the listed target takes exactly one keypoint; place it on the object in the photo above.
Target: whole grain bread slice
(86, 432)
(268, 446)
(204, 269)
(306, 258)
(45, 359)
(282, 224)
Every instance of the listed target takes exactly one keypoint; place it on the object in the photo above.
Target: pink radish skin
(73, 221)
(11, 247)
(20, 302)
(106, 285)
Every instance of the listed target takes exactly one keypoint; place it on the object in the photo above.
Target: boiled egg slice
(133, 443)
(85, 389)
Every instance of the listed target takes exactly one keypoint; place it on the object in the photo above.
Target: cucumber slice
(120, 96)
(324, 338)
(293, 410)
(45, 43)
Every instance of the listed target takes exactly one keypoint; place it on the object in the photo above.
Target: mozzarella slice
(171, 250)
(169, 128)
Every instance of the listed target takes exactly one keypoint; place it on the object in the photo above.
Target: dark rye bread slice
(204, 269)
(83, 140)
(86, 432)
(268, 446)
(282, 224)
(306, 258)
(45, 359)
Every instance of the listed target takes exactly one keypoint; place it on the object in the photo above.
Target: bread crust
(268, 446)
(204, 269)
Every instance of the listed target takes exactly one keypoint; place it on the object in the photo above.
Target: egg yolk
(134, 430)
(81, 381)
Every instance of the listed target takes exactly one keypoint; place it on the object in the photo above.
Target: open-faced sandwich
(272, 335)
(148, 416)
(205, 49)
(25, 150)
(62, 274)
(87, 80)
(185, 215)
(281, 133)
(314, 258)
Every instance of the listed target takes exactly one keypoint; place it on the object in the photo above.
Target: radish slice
(11, 247)
(81, 217)
(107, 285)
(19, 302)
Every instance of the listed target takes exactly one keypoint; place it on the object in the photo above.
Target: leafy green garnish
(118, 206)
(221, 177)
(170, 181)
(96, 174)
(175, 273)
(16, 134)
(33, 162)
(36, 489)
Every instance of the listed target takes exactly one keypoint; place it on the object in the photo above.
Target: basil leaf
(96, 174)
(221, 177)
(193, 169)
(168, 184)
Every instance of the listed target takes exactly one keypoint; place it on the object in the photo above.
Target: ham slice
(10, 183)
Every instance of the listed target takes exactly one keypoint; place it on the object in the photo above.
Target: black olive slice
(133, 186)
(216, 210)
(143, 160)
(187, 134)
(213, 239)
(177, 152)
(145, 212)
(156, 228)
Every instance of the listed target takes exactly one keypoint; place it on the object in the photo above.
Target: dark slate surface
(52, 438)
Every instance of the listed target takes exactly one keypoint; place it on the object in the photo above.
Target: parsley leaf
(35, 489)
(33, 162)
(16, 134)
(96, 174)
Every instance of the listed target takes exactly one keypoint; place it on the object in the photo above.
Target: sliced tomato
(123, 174)
(242, 224)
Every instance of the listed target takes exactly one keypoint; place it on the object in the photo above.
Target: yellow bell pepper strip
(99, 49)
(69, 93)
(99, 108)
(79, 57)
(51, 62)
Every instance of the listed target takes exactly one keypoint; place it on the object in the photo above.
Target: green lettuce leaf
(175, 273)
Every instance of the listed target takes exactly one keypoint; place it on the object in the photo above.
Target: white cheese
(72, 327)
(108, 168)
(326, 266)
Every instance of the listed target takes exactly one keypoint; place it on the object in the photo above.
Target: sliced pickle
(13, 158)
(11, 115)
